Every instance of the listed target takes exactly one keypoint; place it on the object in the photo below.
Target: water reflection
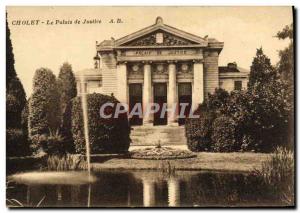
(150, 189)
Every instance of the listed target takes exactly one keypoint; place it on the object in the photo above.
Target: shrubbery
(16, 143)
(44, 110)
(105, 134)
(198, 131)
(50, 111)
(223, 135)
(52, 144)
(257, 119)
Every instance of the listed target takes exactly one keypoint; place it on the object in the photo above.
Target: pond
(145, 189)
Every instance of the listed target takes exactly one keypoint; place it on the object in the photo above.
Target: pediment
(160, 34)
(160, 38)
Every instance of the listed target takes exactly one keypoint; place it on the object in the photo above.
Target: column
(78, 86)
(148, 193)
(198, 89)
(122, 83)
(147, 93)
(172, 97)
(173, 192)
(83, 87)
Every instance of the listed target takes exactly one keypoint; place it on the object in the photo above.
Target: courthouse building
(160, 64)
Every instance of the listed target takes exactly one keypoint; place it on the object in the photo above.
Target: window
(237, 85)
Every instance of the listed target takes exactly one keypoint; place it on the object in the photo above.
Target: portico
(161, 82)
(159, 65)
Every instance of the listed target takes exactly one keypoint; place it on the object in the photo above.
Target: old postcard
(149, 106)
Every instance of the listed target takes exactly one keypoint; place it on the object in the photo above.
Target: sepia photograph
(150, 106)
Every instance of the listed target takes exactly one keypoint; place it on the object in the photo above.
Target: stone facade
(160, 64)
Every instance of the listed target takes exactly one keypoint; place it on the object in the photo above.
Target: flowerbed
(161, 153)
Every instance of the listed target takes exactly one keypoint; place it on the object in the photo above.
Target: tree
(261, 71)
(16, 140)
(44, 110)
(285, 65)
(285, 68)
(15, 102)
(67, 85)
(15, 94)
(10, 60)
(261, 113)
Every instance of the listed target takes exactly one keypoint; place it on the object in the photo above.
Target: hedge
(223, 135)
(198, 131)
(107, 135)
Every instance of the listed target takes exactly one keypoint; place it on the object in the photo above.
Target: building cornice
(198, 42)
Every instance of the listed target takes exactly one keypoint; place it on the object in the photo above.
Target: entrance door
(184, 96)
(135, 97)
(160, 97)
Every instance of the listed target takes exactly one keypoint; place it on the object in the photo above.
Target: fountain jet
(85, 122)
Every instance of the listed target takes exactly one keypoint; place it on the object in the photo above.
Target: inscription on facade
(161, 52)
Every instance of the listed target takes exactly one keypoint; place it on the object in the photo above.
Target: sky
(242, 29)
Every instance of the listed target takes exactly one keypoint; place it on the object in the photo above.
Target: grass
(237, 162)
(14, 203)
(277, 174)
(66, 162)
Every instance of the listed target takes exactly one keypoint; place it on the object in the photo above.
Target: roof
(90, 74)
(223, 69)
(160, 26)
(233, 71)
(226, 69)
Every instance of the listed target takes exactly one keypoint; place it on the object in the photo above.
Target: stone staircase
(150, 135)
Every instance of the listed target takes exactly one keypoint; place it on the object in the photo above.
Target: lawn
(235, 162)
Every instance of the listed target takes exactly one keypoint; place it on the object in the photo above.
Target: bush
(105, 134)
(16, 144)
(44, 110)
(223, 135)
(198, 131)
(261, 118)
(52, 144)
(217, 101)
